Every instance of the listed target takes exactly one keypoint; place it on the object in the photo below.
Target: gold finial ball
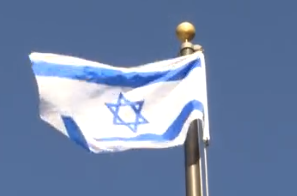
(185, 32)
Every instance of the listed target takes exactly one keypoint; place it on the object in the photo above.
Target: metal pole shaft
(191, 147)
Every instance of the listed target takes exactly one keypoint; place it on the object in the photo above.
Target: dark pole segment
(186, 51)
(192, 161)
(191, 147)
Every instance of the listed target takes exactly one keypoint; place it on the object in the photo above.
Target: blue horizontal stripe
(74, 132)
(112, 77)
(172, 132)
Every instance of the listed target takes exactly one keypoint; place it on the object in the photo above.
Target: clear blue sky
(250, 48)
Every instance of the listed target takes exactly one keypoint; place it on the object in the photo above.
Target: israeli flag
(105, 108)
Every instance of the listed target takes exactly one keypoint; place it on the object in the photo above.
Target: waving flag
(105, 108)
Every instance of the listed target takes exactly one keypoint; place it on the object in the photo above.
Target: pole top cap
(185, 32)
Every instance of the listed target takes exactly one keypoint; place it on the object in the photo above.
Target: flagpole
(186, 33)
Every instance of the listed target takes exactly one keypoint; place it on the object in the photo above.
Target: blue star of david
(136, 107)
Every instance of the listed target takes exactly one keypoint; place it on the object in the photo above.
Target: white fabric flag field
(105, 108)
